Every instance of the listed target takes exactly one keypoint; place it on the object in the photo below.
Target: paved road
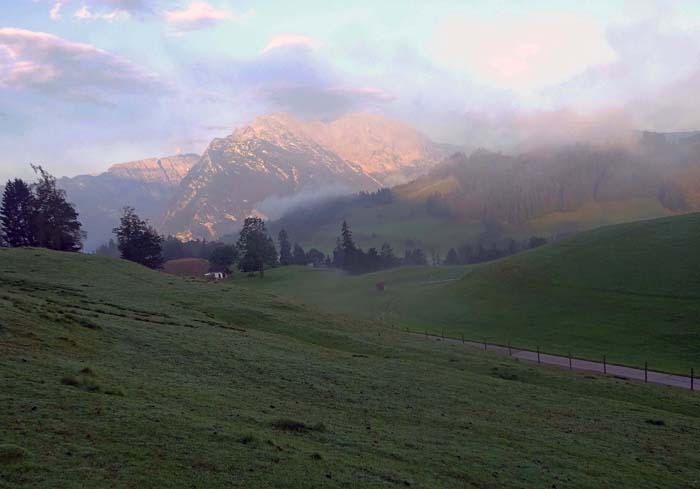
(619, 371)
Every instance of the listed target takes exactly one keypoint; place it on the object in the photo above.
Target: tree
(109, 249)
(316, 257)
(223, 256)
(55, 219)
(139, 242)
(256, 247)
(452, 258)
(387, 257)
(17, 215)
(299, 255)
(286, 257)
(414, 257)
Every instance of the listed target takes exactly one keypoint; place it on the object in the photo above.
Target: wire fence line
(624, 372)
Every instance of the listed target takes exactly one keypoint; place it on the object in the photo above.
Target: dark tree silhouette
(316, 257)
(224, 256)
(17, 215)
(299, 255)
(139, 242)
(256, 247)
(286, 257)
(55, 219)
(452, 257)
(109, 249)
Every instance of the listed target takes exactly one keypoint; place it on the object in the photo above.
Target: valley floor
(116, 376)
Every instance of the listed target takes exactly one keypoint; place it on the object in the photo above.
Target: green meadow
(629, 291)
(117, 376)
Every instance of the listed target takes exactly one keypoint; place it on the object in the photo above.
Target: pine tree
(256, 247)
(452, 258)
(55, 219)
(299, 255)
(138, 242)
(347, 242)
(286, 257)
(387, 256)
(17, 215)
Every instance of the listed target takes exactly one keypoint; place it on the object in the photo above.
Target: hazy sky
(87, 83)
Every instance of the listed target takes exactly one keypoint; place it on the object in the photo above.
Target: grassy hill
(629, 291)
(117, 376)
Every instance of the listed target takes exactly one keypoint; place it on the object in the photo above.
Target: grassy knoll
(630, 291)
(116, 376)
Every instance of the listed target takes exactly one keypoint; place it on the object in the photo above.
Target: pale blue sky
(87, 83)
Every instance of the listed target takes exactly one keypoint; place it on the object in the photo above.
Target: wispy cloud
(55, 12)
(201, 15)
(48, 64)
(84, 13)
(285, 40)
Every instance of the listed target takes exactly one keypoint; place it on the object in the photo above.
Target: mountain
(387, 150)
(148, 185)
(278, 156)
(489, 196)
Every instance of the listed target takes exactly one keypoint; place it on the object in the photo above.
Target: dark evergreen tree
(256, 247)
(224, 256)
(316, 257)
(415, 257)
(17, 215)
(55, 219)
(286, 257)
(138, 242)
(299, 255)
(452, 258)
(388, 258)
(110, 249)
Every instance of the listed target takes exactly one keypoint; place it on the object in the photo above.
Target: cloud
(50, 65)
(294, 79)
(521, 52)
(55, 12)
(115, 15)
(284, 40)
(200, 15)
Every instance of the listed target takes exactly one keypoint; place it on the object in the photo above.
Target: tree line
(39, 215)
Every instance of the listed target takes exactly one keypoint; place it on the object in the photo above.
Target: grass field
(630, 291)
(116, 376)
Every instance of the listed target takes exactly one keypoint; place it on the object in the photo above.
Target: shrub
(297, 426)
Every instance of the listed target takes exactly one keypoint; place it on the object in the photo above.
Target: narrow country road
(627, 373)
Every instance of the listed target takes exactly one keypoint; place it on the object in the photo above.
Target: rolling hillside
(631, 291)
(489, 197)
(117, 376)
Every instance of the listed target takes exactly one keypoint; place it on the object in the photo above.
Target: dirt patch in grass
(294, 426)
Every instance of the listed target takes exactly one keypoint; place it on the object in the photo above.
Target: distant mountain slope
(279, 156)
(390, 151)
(148, 185)
(550, 192)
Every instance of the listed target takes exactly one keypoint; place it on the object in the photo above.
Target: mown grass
(630, 292)
(223, 386)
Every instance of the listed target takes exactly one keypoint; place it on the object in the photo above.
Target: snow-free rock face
(169, 170)
(147, 185)
(237, 173)
(278, 155)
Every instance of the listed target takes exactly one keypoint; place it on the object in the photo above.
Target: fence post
(426, 334)
(538, 354)
(462, 338)
(484, 345)
(692, 379)
(605, 366)
(646, 368)
(570, 367)
(510, 352)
